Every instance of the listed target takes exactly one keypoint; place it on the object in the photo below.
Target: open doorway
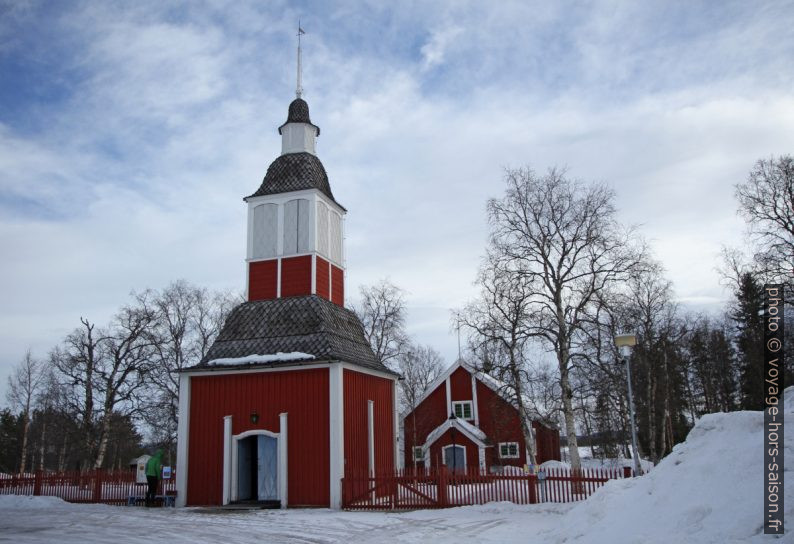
(257, 468)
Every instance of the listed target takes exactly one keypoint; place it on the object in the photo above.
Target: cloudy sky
(129, 132)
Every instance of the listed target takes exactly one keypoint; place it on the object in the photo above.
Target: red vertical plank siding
(296, 276)
(337, 285)
(460, 385)
(262, 278)
(303, 394)
(323, 278)
(430, 413)
(358, 389)
(500, 422)
(498, 419)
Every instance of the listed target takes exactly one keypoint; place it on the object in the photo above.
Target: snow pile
(710, 489)
(272, 358)
(20, 502)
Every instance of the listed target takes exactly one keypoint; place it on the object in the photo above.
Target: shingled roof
(306, 324)
(295, 172)
(299, 113)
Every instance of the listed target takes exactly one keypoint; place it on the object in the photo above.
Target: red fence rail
(411, 489)
(94, 486)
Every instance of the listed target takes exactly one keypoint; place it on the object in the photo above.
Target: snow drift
(709, 489)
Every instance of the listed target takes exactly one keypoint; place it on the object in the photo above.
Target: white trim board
(336, 442)
(441, 430)
(183, 438)
(281, 461)
(444, 454)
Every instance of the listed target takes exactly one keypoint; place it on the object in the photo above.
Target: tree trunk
(62, 456)
(25, 432)
(651, 388)
(526, 419)
(103, 441)
(567, 411)
(41, 446)
(587, 428)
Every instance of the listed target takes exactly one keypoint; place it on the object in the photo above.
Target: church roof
(307, 324)
(299, 113)
(295, 172)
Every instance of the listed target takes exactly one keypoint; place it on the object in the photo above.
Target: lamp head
(625, 340)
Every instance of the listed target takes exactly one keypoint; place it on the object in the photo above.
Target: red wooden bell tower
(295, 226)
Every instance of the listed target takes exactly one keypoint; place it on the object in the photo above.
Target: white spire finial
(299, 89)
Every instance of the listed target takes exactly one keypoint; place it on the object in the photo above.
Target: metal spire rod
(459, 357)
(299, 89)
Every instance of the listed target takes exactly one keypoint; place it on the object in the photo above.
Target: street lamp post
(624, 343)
(452, 432)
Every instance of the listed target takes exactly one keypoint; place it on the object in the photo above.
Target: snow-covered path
(49, 520)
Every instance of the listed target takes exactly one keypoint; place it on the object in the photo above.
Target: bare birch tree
(187, 319)
(381, 310)
(419, 366)
(122, 375)
(24, 386)
(76, 360)
(564, 239)
(766, 201)
(499, 328)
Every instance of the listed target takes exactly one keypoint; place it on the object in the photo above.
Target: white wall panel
(291, 227)
(265, 231)
(304, 233)
(322, 228)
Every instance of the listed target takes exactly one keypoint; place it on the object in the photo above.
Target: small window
(418, 454)
(508, 450)
(463, 409)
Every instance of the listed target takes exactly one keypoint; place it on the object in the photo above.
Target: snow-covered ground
(709, 490)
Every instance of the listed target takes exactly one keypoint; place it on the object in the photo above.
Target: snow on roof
(272, 358)
(462, 425)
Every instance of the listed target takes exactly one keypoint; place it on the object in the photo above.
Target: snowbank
(272, 358)
(20, 502)
(710, 489)
(554, 464)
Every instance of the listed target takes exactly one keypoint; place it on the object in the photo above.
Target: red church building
(290, 398)
(466, 421)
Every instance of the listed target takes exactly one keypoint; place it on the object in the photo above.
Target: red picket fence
(411, 489)
(94, 486)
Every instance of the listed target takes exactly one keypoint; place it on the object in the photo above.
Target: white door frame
(280, 461)
(444, 454)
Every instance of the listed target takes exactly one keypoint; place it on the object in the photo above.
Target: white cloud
(139, 178)
(435, 49)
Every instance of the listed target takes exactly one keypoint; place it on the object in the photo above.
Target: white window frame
(508, 456)
(462, 404)
(421, 456)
